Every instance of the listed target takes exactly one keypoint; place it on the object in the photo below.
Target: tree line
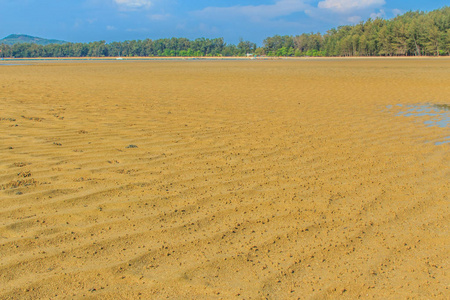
(414, 33)
(411, 34)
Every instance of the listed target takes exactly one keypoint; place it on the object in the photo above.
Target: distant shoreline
(228, 58)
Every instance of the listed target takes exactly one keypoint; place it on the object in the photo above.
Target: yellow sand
(251, 179)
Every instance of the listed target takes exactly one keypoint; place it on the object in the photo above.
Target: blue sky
(119, 20)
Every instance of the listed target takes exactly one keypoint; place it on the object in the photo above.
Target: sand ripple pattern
(248, 180)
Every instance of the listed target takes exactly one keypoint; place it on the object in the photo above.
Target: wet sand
(213, 179)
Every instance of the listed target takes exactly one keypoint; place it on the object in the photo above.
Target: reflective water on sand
(439, 115)
(1, 64)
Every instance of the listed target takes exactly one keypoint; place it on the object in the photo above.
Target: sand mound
(277, 179)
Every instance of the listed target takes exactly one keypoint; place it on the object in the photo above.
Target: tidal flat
(274, 179)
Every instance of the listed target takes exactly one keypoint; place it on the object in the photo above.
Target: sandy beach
(286, 179)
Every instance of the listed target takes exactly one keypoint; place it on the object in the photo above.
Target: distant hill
(23, 38)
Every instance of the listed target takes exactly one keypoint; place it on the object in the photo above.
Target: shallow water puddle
(439, 115)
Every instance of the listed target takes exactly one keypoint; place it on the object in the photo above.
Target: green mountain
(23, 38)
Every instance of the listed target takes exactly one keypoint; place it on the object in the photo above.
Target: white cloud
(133, 4)
(256, 12)
(354, 19)
(345, 6)
(109, 27)
(379, 14)
(397, 12)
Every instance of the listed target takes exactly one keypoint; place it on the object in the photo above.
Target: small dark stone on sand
(131, 146)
